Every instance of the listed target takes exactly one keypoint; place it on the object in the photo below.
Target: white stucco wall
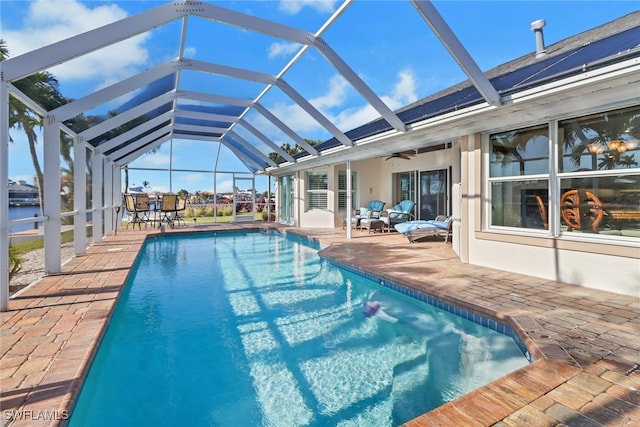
(605, 272)
(605, 264)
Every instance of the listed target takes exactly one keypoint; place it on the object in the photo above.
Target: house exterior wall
(593, 261)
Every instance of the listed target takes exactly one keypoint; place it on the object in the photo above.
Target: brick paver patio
(586, 342)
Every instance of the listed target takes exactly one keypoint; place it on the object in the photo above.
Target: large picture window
(599, 173)
(596, 176)
(317, 190)
(519, 178)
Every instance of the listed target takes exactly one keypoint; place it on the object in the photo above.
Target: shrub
(15, 262)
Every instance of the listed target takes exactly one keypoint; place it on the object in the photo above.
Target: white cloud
(295, 6)
(282, 49)
(336, 95)
(189, 52)
(48, 22)
(153, 160)
(192, 178)
(403, 92)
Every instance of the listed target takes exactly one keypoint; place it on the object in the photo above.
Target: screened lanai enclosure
(206, 104)
(262, 97)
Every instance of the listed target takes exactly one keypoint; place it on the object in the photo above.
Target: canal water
(18, 212)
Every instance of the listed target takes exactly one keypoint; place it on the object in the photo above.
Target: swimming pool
(251, 328)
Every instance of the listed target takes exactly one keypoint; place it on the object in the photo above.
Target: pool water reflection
(255, 329)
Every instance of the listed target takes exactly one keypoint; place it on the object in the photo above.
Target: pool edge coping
(550, 358)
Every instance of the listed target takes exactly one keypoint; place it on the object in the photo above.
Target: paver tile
(584, 340)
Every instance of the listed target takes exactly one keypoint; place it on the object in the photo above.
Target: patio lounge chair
(372, 210)
(401, 212)
(415, 230)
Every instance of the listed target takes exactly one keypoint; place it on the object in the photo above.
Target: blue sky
(385, 42)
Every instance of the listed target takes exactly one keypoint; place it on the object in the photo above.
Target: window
(599, 173)
(317, 190)
(519, 178)
(596, 176)
(342, 190)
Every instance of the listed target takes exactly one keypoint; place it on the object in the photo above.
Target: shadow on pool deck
(586, 342)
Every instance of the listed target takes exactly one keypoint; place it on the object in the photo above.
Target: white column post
(96, 197)
(117, 196)
(349, 201)
(108, 197)
(51, 193)
(4, 196)
(80, 196)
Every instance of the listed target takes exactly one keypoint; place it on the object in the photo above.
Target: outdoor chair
(180, 209)
(542, 209)
(401, 212)
(580, 210)
(136, 210)
(415, 230)
(372, 210)
(168, 209)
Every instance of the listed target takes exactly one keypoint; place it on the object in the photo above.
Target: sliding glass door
(434, 194)
(286, 194)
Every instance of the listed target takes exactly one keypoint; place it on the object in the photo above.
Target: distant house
(23, 194)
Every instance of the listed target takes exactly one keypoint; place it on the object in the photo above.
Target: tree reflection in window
(601, 141)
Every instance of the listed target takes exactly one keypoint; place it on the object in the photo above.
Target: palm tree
(292, 151)
(42, 88)
(594, 137)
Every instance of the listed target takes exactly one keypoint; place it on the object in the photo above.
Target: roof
(158, 104)
(613, 42)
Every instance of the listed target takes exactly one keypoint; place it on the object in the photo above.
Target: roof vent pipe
(536, 27)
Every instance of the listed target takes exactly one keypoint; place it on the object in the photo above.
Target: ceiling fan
(406, 155)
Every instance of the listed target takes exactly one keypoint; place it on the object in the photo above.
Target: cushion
(440, 224)
(363, 212)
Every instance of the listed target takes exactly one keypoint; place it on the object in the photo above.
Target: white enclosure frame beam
(286, 129)
(4, 195)
(262, 137)
(127, 116)
(199, 128)
(247, 145)
(439, 26)
(243, 158)
(198, 115)
(80, 195)
(40, 59)
(107, 211)
(97, 202)
(51, 192)
(114, 91)
(134, 133)
(302, 102)
(358, 84)
(137, 149)
(315, 113)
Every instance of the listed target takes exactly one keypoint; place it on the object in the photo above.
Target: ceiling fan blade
(399, 156)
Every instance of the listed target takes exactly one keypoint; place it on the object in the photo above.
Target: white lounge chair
(415, 230)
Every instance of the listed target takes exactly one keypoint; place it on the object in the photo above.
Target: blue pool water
(255, 329)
